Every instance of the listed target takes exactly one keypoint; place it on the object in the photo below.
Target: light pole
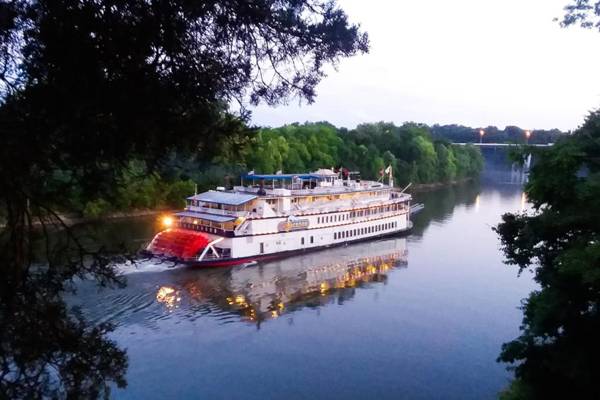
(481, 133)
(527, 136)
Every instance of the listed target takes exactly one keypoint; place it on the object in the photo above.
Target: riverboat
(271, 216)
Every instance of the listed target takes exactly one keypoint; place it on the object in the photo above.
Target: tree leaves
(557, 352)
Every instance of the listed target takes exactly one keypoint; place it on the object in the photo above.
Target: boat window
(302, 241)
(334, 235)
(318, 220)
(311, 239)
(262, 247)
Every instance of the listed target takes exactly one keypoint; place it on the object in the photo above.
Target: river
(416, 317)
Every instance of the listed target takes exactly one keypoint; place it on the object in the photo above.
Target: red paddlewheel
(180, 243)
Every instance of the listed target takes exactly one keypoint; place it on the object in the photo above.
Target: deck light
(167, 221)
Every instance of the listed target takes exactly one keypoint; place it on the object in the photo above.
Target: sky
(469, 62)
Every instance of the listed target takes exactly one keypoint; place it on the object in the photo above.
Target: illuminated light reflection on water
(421, 317)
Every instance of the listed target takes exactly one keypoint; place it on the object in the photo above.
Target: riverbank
(75, 219)
(71, 220)
(427, 187)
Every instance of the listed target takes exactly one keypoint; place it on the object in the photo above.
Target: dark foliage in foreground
(86, 86)
(557, 354)
(585, 13)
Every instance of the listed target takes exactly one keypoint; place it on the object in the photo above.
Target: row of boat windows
(364, 231)
(202, 228)
(216, 206)
(335, 197)
(357, 214)
(357, 232)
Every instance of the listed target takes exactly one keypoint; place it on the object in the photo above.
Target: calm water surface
(419, 317)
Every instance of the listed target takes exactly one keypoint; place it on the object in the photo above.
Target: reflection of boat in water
(270, 290)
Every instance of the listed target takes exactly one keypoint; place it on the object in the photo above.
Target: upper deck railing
(352, 187)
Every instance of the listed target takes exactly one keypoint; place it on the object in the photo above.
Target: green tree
(85, 87)
(426, 158)
(556, 355)
(446, 162)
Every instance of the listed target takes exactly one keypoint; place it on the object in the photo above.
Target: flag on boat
(279, 172)
(251, 172)
(388, 169)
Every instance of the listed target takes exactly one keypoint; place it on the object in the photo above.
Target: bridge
(497, 165)
(504, 144)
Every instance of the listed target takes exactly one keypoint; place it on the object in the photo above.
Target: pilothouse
(271, 216)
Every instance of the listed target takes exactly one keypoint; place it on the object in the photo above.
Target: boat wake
(146, 265)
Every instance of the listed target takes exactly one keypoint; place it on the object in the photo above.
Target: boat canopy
(283, 177)
(208, 217)
(228, 198)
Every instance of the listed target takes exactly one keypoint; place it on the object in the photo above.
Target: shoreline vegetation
(429, 187)
(72, 220)
(414, 153)
(77, 219)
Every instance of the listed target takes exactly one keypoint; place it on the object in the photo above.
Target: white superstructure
(272, 214)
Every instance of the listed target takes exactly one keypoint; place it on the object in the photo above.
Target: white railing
(217, 211)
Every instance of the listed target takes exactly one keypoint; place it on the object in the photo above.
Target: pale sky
(470, 62)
